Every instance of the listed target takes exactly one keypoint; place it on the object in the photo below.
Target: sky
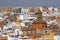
(25, 3)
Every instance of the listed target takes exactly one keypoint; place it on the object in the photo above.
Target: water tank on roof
(18, 10)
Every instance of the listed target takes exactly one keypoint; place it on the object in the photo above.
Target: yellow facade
(18, 18)
(18, 22)
(49, 37)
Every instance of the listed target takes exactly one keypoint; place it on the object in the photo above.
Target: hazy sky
(25, 3)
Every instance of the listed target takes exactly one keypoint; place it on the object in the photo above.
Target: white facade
(1, 19)
(56, 9)
(24, 17)
(50, 22)
(43, 38)
(12, 38)
(41, 9)
(57, 37)
(22, 24)
(9, 25)
(51, 14)
(18, 32)
(45, 14)
(55, 13)
(23, 10)
(50, 8)
(21, 17)
(27, 16)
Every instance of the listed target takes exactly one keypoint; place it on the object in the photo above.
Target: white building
(1, 19)
(9, 25)
(55, 13)
(45, 14)
(50, 8)
(41, 9)
(22, 24)
(27, 16)
(24, 17)
(18, 32)
(21, 17)
(24, 10)
(43, 38)
(56, 37)
(51, 14)
(49, 22)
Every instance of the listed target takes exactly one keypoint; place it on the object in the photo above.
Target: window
(6, 22)
(45, 31)
(42, 25)
(18, 10)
